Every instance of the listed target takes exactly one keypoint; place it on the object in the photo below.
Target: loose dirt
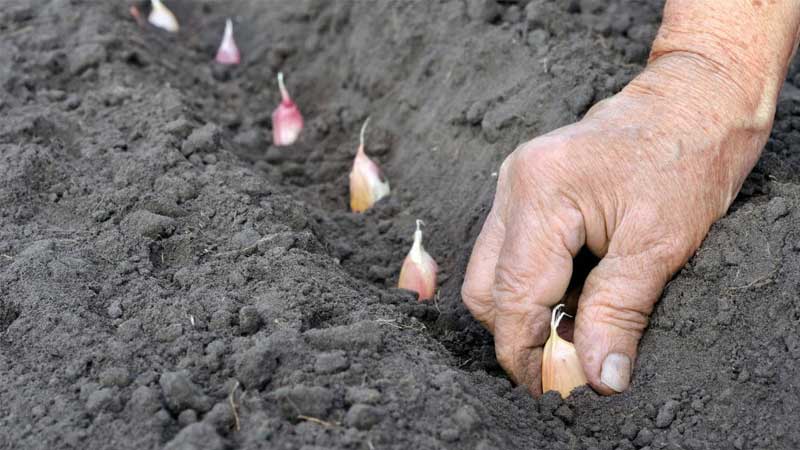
(168, 278)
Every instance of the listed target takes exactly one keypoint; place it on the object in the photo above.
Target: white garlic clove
(419, 269)
(161, 17)
(287, 122)
(561, 368)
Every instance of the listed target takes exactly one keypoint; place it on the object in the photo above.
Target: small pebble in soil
(181, 393)
(115, 376)
(644, 437)
(106, 399)
(549, 402)
(179, 127)
(72, 102)
(667, 414)
(331, 362)
(202, 140)
(565, 413)
(255, 366)
(450, 434)
(146, 224)
(313, 401)
(475, 113)
(220, 416)
(776, 208)
(114, 310)
(196, 436)
(362, 395)
(629, 430)
(144, 401)
(249, 320)
(363, 417)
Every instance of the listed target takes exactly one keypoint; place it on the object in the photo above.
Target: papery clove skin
(287, 122)
(228, 52)
(367, 183)
(419, 269)
(161, 17)
(561, 368)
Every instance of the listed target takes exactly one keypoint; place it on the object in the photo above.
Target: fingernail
(616, 372)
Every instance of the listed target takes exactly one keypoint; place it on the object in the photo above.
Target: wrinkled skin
(639, 181)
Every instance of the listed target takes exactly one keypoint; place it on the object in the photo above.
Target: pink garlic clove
(287, 122)
(419, 269)
(228, 52)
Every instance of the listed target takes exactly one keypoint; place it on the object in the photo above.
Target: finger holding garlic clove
(287, 122)
(367, 182)
(419, 269)
(561, 368)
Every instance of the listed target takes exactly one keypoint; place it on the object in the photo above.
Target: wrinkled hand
(638, 181)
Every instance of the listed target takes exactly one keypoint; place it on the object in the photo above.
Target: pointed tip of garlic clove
(419, 269)
(367, 182)
(285, 97)
(287, 121)
(161, 17)
(561, 368)
(228, 52)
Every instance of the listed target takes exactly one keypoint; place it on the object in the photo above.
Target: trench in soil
(335, 97)
(449, 97)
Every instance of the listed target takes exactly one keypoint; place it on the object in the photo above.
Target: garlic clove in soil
(161, 17)
(561, 368)
(287, 122)
(419, 269)
(367, 183)
(228, 52)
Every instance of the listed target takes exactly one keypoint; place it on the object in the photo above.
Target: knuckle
(471, 298)
(545, 169)
(629, 317)
(480, 306)
(539, 159)
(658, 252)
(510, 285)
(505, 356)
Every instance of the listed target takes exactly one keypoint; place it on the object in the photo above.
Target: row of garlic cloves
(287, 121)
(162, 17)
(561, 369)
(367, 186)
(367, 183)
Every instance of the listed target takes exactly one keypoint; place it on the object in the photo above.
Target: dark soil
(158, 254)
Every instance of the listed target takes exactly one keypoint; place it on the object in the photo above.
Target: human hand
(638, 182)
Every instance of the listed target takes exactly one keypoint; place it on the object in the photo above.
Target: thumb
(613, 311)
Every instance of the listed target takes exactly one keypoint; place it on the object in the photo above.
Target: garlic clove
(161, 17)
(367, 183)
(228, 52)
(287, 122)
(561, 368)
(419, 269)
